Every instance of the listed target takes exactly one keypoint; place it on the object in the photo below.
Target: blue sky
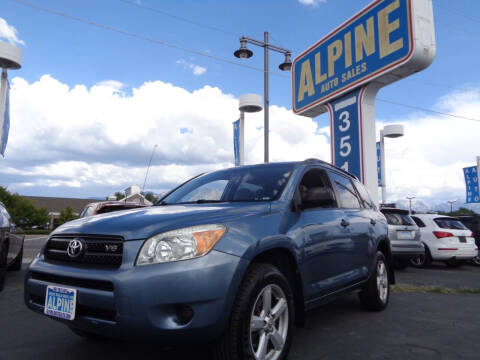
(74, 53)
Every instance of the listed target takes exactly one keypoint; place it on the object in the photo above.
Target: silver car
(404, 236)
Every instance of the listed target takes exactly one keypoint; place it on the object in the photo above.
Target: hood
(143, 223)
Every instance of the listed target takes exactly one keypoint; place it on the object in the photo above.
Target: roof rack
(318, 161)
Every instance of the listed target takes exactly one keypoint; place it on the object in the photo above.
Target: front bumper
(145, 302)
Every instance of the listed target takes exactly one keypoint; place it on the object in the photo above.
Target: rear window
(398, 219)
(449, 223)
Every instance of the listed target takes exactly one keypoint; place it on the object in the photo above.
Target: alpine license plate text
(60, 302)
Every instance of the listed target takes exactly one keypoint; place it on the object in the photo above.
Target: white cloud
(113, 84)
(427, 162)
(101, 139)
(9, 33)
(75, 137)
(311, 2)
(197, 70)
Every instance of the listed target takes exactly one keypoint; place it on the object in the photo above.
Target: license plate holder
(405, 235)
(463, 239)
(60, 302)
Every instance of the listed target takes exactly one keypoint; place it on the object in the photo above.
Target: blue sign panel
(471, 181)
(379, 164)
(372, 43)
(236, 142)
(346, 133)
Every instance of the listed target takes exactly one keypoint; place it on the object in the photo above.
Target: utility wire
(180, 18)
(428, 110)
(140, 37)
(199, 53)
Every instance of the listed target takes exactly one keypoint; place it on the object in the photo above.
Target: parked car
(103, 207)
(446, 239)
(404, 236)
(233, 257)
(472, 222)
(11, 244)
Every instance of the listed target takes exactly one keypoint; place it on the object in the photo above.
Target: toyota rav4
(234, 257)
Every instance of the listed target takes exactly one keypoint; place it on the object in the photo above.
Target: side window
(314, 178)
(418, 221)
(365, 197)
(346, 192)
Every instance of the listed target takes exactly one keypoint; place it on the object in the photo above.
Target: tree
(119, 195)
(150, 197)
(66, 215)
(460, 211)
(23, 211)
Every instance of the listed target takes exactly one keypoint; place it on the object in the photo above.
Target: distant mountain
(420, 205)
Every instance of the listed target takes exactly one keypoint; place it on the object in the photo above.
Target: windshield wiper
(161, 203)
(201, 201)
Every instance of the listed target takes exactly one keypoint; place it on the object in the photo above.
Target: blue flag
(471, 182)
(236, 142)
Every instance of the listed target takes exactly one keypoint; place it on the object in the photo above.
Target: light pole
(410, 198)
(244, 53)
(451, 202)
(246, 103)
(390, 131)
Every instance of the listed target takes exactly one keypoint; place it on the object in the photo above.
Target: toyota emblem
(74, 248)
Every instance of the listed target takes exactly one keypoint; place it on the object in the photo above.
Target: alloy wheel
(269, 323)
(382, 281)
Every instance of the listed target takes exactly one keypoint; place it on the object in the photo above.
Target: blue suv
(234, 257)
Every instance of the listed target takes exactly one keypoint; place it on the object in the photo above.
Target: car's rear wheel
(422, 261)
(476, 260)
(376, 292)
(3, 263)
(17, 263)
(261, 322)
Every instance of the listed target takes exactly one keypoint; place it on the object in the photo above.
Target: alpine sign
(385, 42)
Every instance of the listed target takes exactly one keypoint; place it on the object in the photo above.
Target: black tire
(476, 261)
(88, 335)
(422, 261)
(17, 263)
(454, 263)
(236, 343)
(3, 263)
(373, 295)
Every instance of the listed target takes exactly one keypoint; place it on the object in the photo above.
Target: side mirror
(318, 197)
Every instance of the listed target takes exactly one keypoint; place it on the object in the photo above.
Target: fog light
(184, 314)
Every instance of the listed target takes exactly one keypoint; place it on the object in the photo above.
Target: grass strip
(435, 289)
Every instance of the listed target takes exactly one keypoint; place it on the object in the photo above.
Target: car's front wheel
(261, 322)
(3, 263)
(375, 294)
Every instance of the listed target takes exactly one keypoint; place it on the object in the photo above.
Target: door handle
(344, 223)
(373, 221)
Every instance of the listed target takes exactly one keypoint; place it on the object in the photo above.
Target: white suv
(445, 239)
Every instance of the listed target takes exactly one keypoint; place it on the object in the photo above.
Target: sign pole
(242, 138)
(382, 167)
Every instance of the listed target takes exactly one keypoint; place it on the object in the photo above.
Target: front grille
(95, 249)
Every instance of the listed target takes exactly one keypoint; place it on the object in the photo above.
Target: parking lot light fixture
(390, 131)
(410, 198)
(244, 53)
(246, 103)
(451, 202)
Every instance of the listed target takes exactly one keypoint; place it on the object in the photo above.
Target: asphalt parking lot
(416, 325)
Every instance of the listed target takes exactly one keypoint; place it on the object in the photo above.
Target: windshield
(262, 183)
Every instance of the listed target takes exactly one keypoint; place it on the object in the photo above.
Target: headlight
(181, 244)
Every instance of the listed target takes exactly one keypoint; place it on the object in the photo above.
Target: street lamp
(451, 202)
(244, 53)
(390, 131)
(246, 103)
(410, 198)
